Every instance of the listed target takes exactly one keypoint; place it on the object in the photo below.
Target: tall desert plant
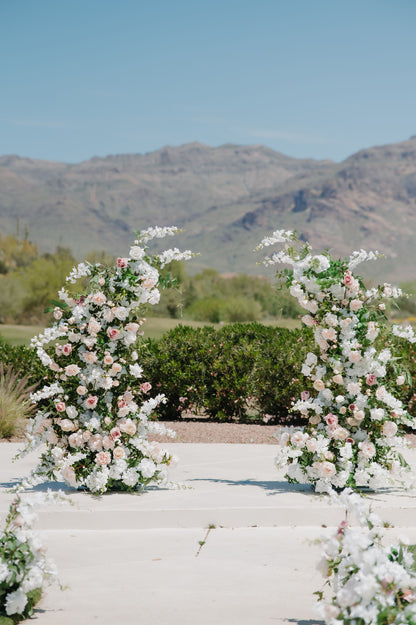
(15, 404)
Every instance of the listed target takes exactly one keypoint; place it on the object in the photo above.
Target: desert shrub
(23, 361)
(238, 372)
(230, 393)
(15, 404)
(244, 371)
(276, 377)
(179, 364)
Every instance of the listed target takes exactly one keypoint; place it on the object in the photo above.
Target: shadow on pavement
(274, 488)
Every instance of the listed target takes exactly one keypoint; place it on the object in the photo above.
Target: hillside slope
(227, 199)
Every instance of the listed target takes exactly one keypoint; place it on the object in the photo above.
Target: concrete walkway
(234, 546)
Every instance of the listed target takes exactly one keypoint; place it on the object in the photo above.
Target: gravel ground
(207, 432)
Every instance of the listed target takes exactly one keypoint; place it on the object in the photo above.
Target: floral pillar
(354, 424)
(93, 413)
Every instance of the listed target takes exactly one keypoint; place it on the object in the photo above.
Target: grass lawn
(154, 328)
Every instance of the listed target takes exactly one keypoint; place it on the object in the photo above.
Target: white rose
(136, 252)
(136, 371)
(389, 429)
(72, 412)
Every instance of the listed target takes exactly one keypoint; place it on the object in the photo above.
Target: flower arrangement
(354, 424)
(371, 584)
(24, 569)
(93, 413)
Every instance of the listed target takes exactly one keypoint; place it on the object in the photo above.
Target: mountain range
(226, 199)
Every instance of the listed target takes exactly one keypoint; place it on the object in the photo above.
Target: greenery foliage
(29, 280)
(210, 296)
(240, 371)
(15, 404)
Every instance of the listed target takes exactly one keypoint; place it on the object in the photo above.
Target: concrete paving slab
(137, 558)
(256, 576)
(227, 485)
(249, 576)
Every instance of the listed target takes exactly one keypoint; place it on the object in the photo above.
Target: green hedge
(244, 372)
(24, 360)
(241, 372)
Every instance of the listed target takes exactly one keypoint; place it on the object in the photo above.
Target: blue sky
(309, 78)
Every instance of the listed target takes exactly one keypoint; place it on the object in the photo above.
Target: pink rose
(91, 402)
(128, 426)
(348, 279)
(308, 320)
(67, 349)
(311, 444)
(340, 434)
(69, 476)
(115, 433)
(371, 379)
(298, 438)
(119, 453)
(331, 419)
(75, 439)
(113, 333)
(60, 406)
(367, 449)
(355, 304)
(132, 327)
(66, 425)
(355, 356)
(122, 262)
(145, 387)
(389, 429)
(90, 357)
(329, 334)
(72, 370)
(108, 359)
(108, 442)
(93, 326)
(305, 395)
(103, 458)
(338, 379)
(327, 469)
(81, 390)
(96, 442)
(99, 298)
(318, 385)
(148, 283)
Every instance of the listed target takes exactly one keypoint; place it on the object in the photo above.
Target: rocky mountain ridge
(226, 198)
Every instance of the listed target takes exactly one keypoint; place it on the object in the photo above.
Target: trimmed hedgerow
(23, 361)
(240, 372)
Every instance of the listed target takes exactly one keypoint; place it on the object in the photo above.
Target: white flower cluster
(353, 420)
(278, 236)
(371, 584)
(156, 232)
(166, 257)
(406, 332)
(24, 569)
(93, 414)
(81, 271)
